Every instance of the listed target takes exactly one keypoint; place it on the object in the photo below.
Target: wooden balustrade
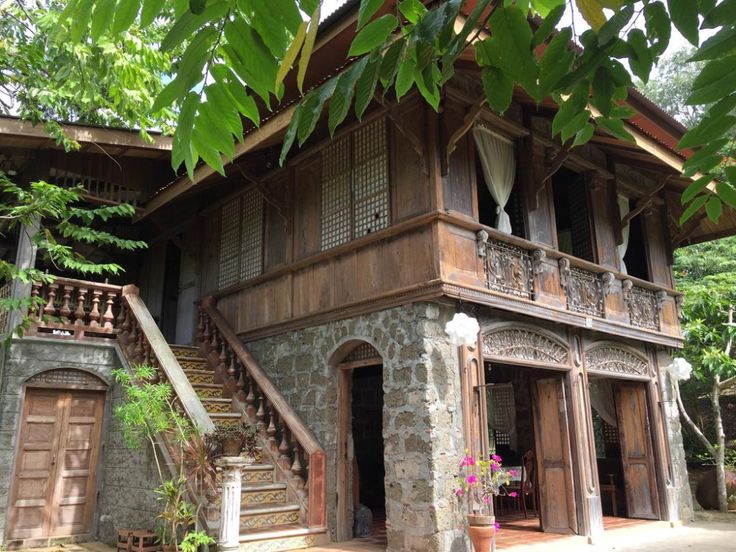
(521, 269)
(76, 308)
(289, 440)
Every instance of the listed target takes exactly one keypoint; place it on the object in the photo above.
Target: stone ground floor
(653, 536)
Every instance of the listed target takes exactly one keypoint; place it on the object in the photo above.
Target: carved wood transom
(67, 376)
(527, 344)
(615, 360)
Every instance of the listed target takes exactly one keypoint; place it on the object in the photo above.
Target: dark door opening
(170, 292)
(368, 469)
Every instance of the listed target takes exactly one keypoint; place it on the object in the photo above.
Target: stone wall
(125, 478)
(422, 417)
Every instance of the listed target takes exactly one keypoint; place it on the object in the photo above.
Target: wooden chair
(132, 540)
(527, 485)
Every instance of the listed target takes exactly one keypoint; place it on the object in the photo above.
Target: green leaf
(412, 10)
(592, 12)
(615, 127)
(404, 77)
(693, 208)
(570, 107)
(101, 17)
(498, 88)
(276, 21)
(373, 35)
(390, 63)
(613, 26)
(549, 24)
(684, 15)
(227, 112)
(186, 25)
(366, 85)
(426, 83)
(710, 128)
(723, 14)
(292, 53)
(82, 14)
(658, 25)
(641, 61)
(727, 192)
(555, 62)
(312, 109)
(714, 208)
(584, 135)
(368, 9)
(343, 96)
(715, 81)
(209, 154)
(696, 162)
(694, 188)
(290, 135)
(151, 9)
(720, 44)
(125, 13)
(602, 97)
(308, 47)
(250, 58)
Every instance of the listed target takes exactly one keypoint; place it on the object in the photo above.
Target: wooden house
(312, 298)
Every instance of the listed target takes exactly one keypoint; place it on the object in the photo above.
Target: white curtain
(602, 401)
(499, 170)
(623, 209)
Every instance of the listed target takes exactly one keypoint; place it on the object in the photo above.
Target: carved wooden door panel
(554, 462)
(636, 451)
(55, 466)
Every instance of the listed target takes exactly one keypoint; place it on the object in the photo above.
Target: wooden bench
(137, 540)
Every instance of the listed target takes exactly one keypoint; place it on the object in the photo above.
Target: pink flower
(467, 461)
(513, 473)
(486, 500)
(471, 479)
(497, 526)
(495, 457)
(459, 492)
(513, 494)
(495, 466)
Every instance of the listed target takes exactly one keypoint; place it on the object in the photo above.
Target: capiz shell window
(355, 177)
(241, 239)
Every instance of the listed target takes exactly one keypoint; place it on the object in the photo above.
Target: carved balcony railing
(76, 308)
(643, 306)
(584, 290)
(290, 441)
(526, 271)
(508, 268)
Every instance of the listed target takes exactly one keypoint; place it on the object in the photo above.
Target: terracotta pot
(481, 530)
(706, 492)
(168, 547)
(231, 446)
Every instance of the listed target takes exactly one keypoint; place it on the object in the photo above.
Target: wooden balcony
(518, 275)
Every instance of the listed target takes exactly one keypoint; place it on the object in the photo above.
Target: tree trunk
(720, 448)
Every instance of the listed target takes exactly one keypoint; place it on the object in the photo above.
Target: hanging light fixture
(681, 369)
(463, 330)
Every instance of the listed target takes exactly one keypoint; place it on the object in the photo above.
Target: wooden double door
(54, 484)
(554, 459)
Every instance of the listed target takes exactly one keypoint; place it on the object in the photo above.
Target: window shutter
(336, 200)
(251, 235)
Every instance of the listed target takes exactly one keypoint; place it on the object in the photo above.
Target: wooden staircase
(271, 517)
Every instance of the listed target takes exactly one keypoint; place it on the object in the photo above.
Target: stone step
(199, 376)
(257, 473)
(259, 517)
(217, 405)
(254, 494)
(185, 350)
(288, 538)
(208, 390)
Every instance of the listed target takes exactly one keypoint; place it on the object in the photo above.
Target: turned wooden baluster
(231, 384)
(124, 322)
(66, 311)
(79, 314)
(132, 335)
(221, 370)
(250, 398)
(108, 317)
(138, 351)
(271, 429)
(206, 336)
(35, 309)
(284, 460)
(146, 353)
(94, 314)
(241, 383)
(297, 469)
(200, 328)
(50, 309)
(261, 412)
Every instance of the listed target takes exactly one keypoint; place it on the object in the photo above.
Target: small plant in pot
(236, 438)
(479, 481)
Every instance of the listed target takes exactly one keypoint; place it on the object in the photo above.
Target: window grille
(355, 185)
(241, 239)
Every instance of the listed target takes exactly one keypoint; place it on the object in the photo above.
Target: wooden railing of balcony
(290, 441)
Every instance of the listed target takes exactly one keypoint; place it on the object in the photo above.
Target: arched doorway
(360, 467)
(58, 447)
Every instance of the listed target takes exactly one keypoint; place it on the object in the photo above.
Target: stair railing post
(229, 536)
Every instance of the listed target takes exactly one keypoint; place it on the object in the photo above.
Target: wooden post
(228, 540)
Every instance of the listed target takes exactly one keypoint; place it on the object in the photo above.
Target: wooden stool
(132, 540)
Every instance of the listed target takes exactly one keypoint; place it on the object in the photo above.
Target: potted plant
(231, 438)
(251, 449)
(478, 482)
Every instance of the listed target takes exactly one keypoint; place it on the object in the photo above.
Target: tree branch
(691, 425)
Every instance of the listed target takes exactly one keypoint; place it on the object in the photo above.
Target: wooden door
(554, 463)
(640, 480)
(55, 467)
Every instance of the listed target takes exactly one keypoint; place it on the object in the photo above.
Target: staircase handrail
(316, 488)
(155, 350)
